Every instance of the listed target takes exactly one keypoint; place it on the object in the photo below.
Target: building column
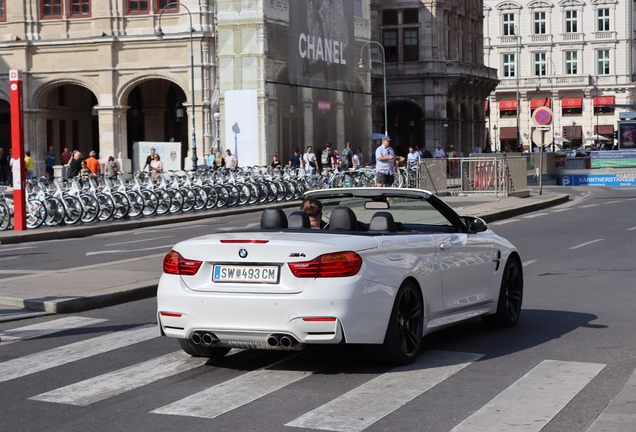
(113, 135)
(340, 120)
(273, 142)
(308, 112)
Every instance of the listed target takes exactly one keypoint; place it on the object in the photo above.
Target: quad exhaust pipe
(284, 341)
(205, 338)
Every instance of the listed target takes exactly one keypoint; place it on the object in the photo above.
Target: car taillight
(175, 264)
(338, 264)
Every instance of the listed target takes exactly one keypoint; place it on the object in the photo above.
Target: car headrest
(343, 218)
(382, 221)
(299, 219)
(273, 218)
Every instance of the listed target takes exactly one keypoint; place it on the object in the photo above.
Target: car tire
(202, 350)
(403, 338)
(510, 297)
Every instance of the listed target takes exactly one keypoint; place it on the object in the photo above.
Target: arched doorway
(158, 111)
(406, 126)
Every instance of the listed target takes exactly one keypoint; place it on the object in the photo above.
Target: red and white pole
(17, 150)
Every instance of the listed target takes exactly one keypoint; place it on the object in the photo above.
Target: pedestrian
(326, 157)
(219, 161)
(452, 162)
(84, 172)
(231, 162)
(156, 166)
(356, 160)
(111, 168)
(149, 159)
(310, 161)
(294, 160)
(426, 154)
(28, 165)
(359, 154)
(439, 153)
(49, 160)
(275, 165)
(413, 158)
(478, 148)
(347, 157)
(93, 164)
(66, 156)
(337, 160)
(75, 164)
(385, 163)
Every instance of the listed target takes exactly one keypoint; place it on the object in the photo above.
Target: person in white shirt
(231, 161)
(413, 158)
(439, 153)
(311, 163)
(478, 149)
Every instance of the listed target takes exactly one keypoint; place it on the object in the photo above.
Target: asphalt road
(574, 348)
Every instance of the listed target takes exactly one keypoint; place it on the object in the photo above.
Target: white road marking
(120, 381)
(10, 258)
(585, 244)
(534, 215)
(23, 271)
(589, 205)
(613, 202)
(527, 263)
(163, 230)
(232, 394)
(17, 248)
(561, 210)
(128, 250)
(631, 229)
(361, 407)
(137, 241)
(503, 222)
(49, 359)
(45, 328)
(530, 403)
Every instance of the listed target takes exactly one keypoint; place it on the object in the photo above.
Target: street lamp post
(217, 117)
(361, 64)
(160, 34)
(517, 62)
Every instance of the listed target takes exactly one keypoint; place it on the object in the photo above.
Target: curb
(522, 209)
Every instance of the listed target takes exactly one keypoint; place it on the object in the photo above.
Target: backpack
(346, 158)
(325, 157)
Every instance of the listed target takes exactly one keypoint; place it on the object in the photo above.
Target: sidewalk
(63, 291)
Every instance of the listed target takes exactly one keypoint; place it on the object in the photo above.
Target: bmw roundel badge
(243, 253)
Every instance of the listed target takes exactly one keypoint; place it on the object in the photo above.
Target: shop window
(80, 8)
(51, 8)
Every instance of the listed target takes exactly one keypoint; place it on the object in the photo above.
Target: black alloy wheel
(510, 297)
(403, 338)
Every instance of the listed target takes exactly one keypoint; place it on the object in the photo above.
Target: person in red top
(66, 156)
(93, 164)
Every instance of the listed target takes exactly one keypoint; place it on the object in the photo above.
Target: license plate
(235, 273)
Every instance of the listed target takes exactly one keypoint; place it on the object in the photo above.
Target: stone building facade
(576, 57)
(436, 79)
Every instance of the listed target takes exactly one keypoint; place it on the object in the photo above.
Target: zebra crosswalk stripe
(46, 328)
(368, 403)
(232, 394)
(44, 360)
(111, 384)
(531, 402)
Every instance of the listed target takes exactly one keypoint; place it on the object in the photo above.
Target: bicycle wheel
(35, 213)
(122, 205)
(137, 203)
(72, 209)
(254, 193)
(281, 192)
(263, 192)
(200, 197)
(189, 199)
(223, 196)
(164, 201)
(151, 202)
(54, 211)
(301, 187)
(272, 191)
(213, 196)
(90, 208)
(290, 190)
(5, 216)
(176, 200)
(244, 194)
(234, 195)
(106, 206)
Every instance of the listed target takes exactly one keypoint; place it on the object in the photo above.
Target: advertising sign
(613, 159)
(618, 179)
(241, 126)
(169, 152)
(626, 135)
(321, 44)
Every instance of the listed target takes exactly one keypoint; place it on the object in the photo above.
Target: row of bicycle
(67, 202)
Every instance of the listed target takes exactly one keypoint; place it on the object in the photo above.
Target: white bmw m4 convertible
(386, 267)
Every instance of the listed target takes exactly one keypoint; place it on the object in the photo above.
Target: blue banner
(619, 179)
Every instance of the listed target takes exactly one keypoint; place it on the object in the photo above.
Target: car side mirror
(475, 224)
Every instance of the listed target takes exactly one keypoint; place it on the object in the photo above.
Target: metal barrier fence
(496, 174)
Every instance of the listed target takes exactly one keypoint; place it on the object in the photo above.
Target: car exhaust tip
(273, 341)
(208, 339)
(197, 338)
(287, 342)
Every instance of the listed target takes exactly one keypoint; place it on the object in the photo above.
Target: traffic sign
(546, 139)
(542, 116)
(544, 128)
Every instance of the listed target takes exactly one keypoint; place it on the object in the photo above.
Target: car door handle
(444, 246)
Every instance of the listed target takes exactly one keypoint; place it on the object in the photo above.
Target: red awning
(603, 100)
(536, 103)
(508, 133)
(571, 103)
(508, 105)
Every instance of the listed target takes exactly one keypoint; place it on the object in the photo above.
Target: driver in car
(313, 208)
